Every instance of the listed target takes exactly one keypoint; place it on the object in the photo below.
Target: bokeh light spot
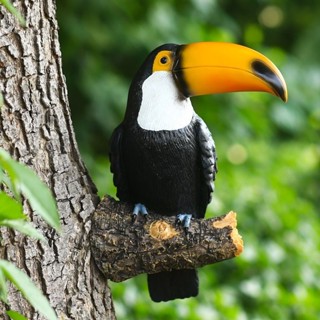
(271, 16)
(237, 154)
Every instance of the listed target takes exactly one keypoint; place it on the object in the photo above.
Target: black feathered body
(170, 172)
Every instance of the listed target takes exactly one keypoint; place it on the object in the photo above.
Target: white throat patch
(162, 107)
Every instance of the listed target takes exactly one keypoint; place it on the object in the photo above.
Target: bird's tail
(176, 284)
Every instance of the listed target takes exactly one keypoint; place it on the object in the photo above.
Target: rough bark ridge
(123, 248)
(35, 127)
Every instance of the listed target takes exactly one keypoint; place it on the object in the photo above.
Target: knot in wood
(161, 230)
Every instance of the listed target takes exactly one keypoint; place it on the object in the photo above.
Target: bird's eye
(164, 60)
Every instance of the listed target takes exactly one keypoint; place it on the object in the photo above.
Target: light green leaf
(14, 315)
(6, 180)
(10, 208)
(24, 284)
(23, 227)
(3, 288)
(7, 4)
(37, 193)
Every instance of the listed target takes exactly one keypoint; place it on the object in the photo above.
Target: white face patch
(162, 107)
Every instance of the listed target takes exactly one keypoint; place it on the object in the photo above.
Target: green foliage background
(268, 151)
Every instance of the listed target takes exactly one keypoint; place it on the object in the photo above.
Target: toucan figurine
(162, 155)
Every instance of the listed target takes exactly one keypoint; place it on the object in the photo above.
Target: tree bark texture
(123, 248)
(36, 128)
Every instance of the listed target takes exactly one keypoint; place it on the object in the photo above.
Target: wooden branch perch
(123, 249)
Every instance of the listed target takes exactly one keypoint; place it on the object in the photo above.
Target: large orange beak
(215, 67)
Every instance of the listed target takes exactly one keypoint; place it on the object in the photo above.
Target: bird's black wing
(116, 162)
(208, 160)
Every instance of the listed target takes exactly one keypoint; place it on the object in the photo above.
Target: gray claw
(184, 219)
(139, 209)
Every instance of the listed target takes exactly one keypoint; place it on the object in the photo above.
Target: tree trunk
(36, 128)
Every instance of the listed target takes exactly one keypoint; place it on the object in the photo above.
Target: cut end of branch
(230, 220)
(162, 230)
(238, 242)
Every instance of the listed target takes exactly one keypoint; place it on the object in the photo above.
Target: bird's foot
(139, 209)
(184, 219)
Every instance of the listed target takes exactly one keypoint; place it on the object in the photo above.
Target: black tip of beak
(262, 71)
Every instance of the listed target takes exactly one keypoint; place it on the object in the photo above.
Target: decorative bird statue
(162, 155)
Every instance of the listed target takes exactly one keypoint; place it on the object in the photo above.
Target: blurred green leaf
(14, 315)
(10, 208)
(28, 183)
(8, 5)
(23, 227)
(23, 283)
(3, 288)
